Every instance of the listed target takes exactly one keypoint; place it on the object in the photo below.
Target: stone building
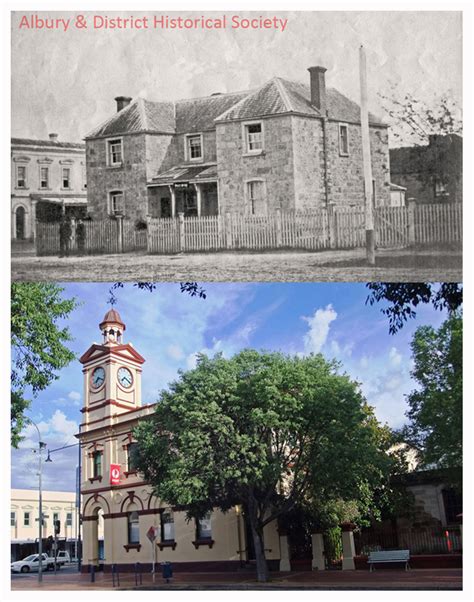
(115, 494)
(46, 176)
(24, 513)
(430, 173)
(286, 145)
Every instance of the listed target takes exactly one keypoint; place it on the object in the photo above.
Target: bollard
(138, 573)
(115, 576)
(167, 571)
(92, 571)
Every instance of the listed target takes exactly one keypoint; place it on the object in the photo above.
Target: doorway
(20, 215)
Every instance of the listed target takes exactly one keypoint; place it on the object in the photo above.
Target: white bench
(389, 556)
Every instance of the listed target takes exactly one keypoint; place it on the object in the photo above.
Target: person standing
(80, 236)
(65, 232)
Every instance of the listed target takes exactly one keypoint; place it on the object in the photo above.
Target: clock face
(98, 377)
(125, 377)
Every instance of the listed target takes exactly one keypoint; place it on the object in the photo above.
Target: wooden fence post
(120, 233)
(411, 221)
(331, 213)
(278, 227)
(228, 231)
(181, 231)
(148, 234)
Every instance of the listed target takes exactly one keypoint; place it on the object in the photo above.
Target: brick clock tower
(112, 373)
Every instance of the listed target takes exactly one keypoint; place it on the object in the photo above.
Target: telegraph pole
(364, 122)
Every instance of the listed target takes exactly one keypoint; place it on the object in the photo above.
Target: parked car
(62, 558)
(31, 563)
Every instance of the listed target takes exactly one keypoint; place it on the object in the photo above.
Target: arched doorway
(20, 226)
(95, 537)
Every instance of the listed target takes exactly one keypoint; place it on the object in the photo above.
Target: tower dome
(112, 327)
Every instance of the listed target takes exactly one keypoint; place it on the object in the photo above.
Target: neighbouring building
(114, 493)
(286, 144)
(24, 528)
(47, 177)
(431, 173)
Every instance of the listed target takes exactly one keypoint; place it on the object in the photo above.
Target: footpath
(393, 579)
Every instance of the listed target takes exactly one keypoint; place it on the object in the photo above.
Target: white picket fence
(318, 229)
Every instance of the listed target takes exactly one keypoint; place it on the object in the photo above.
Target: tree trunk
(261, 561)
(257, 535)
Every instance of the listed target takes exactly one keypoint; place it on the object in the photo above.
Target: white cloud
(318, 332)
(395, 357)
(74, 396)
(175, 352)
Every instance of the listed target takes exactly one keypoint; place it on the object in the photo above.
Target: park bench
(389, 556)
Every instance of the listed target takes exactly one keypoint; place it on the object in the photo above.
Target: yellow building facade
(137, 526)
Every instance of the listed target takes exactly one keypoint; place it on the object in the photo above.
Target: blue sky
(168, 328)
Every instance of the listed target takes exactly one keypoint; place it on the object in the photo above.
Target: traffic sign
(151, 533)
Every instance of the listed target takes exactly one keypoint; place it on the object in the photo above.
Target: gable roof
(276, 97)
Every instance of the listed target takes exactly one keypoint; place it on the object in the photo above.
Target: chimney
(318, 88)
(53, 137)
(122, 102)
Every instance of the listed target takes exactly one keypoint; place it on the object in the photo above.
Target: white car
(31, 563)
(63, 558)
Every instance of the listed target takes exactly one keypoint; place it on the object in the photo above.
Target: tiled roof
(278, 96)
(198, 114)
(112, 317)
(282, 96)
(139, 116)
(50, 143)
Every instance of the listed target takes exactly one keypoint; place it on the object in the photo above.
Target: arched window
(133, 527)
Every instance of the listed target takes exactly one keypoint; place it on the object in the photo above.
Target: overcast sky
(65, 82)
(168, 328)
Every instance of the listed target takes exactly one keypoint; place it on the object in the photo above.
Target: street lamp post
(78, 547)
(41, 445)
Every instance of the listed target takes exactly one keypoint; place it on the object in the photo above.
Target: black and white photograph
(230, 146)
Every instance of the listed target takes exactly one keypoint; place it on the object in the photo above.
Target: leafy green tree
(37, 342)
(436, 405)
(404, 297)
(265, 431)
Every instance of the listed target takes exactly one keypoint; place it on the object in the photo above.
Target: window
(253, 137)
(131, 455)
(203, 527)
(116, 202)
(256, 197)
(44, 177)
(452, 505)
(21, 176)
(26, 519)
(12, 519)
(194, 147)
(114, 152)
(440, 188)
(133, 528)
(66, 177)
(69, 519)
(167, 526)
(343, 139)
(97, 464)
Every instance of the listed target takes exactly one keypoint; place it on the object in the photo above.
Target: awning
(396, 187)
(185, 174)
(69, 201)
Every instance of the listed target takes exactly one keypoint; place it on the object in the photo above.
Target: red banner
(114, 474)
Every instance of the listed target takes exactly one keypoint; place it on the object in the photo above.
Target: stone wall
(308, 162)
(274, 165)
(346, 173)
(142, 156)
